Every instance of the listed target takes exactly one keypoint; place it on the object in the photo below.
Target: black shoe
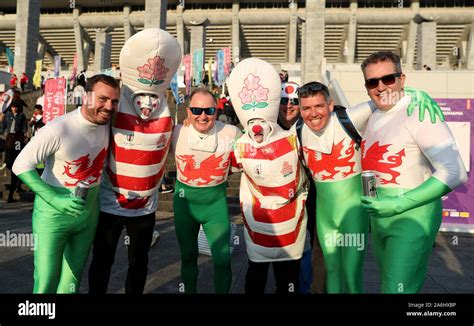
(11, 200)
(20, 190)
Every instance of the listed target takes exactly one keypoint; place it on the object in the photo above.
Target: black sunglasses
(311, 87)
(207, 111)
(293, 101)
(387, 80)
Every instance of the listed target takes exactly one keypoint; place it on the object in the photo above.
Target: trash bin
(203, 245)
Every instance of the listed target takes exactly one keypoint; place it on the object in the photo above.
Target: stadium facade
(291, 34)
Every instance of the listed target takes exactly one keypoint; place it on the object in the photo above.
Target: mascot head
(148, 61)
(254, 88)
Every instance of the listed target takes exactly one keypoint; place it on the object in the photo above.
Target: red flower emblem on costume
(153, 72)
(253, 94)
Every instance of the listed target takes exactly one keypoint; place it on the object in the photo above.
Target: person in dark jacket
(15, 124)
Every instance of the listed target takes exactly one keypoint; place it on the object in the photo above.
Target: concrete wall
(439, 84)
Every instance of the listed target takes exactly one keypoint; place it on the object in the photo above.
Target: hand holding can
(369, 184)
(81, 189)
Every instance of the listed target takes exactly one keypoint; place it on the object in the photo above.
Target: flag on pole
(10, 57)
(198, 63)
(227, 59)
(187, 72)
(209, 71)
(174, 88)
(37, 75)
(220, 67)
(215, 77)
(57, 65)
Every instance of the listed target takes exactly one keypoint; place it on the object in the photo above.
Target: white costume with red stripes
(273, 185)
(140, 144)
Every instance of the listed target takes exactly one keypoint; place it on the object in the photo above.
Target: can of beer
(81, 189)
(369, 184)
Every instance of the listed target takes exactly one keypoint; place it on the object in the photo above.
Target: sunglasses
(311, 87)
(293, 101)
(387, 80)
(199, 111)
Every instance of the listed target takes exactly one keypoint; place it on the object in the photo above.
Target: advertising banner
(458, 205)
(54, 98)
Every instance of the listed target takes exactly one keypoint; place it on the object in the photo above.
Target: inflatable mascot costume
(273, 185)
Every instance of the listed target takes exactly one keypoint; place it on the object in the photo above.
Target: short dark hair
(108, 80)
(39, 107)
(383, 56)
(201, 91)
(17, 104)
(312, 88)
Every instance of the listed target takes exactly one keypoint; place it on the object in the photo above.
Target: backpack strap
(347, 124)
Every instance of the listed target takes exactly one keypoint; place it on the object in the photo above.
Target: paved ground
(451, 266)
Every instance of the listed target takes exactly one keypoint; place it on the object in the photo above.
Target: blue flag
(57, 65)
(174, 88)
(220, 67)
(10, 56)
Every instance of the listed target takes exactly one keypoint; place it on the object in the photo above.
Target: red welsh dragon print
(332, 163)
(208, 170)
(376, 160)
(84, 170)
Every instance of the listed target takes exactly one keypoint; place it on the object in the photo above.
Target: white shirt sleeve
(360, 114)
(44, 144)
(438, 145)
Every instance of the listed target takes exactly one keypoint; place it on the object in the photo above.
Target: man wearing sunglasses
(334, 161)
(202, 152)
(424, 166)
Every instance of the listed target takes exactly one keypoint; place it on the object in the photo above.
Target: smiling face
(288, 113)
(202, 122)
(315, 111)
(145, 104)
(100, 104)
(384, 96)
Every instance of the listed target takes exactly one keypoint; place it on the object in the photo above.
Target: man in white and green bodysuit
(74, 147)
(202, 153)
(334, 161)
(416, 163)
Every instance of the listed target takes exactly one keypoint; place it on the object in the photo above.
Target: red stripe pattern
(138, 157)
(269, 152)
(133, 123)
(135, 183)
(266, 215)
(275, 241)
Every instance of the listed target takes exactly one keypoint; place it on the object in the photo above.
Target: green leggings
(403, 244)
(207, 206)
(62, 244)
(342, 226)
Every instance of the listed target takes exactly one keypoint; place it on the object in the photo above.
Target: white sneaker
(155, 238)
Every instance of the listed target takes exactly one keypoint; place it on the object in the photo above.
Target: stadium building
(313, 39)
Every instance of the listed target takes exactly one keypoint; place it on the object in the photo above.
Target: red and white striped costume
(139, 145)
(272, 197)
(273, 184)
